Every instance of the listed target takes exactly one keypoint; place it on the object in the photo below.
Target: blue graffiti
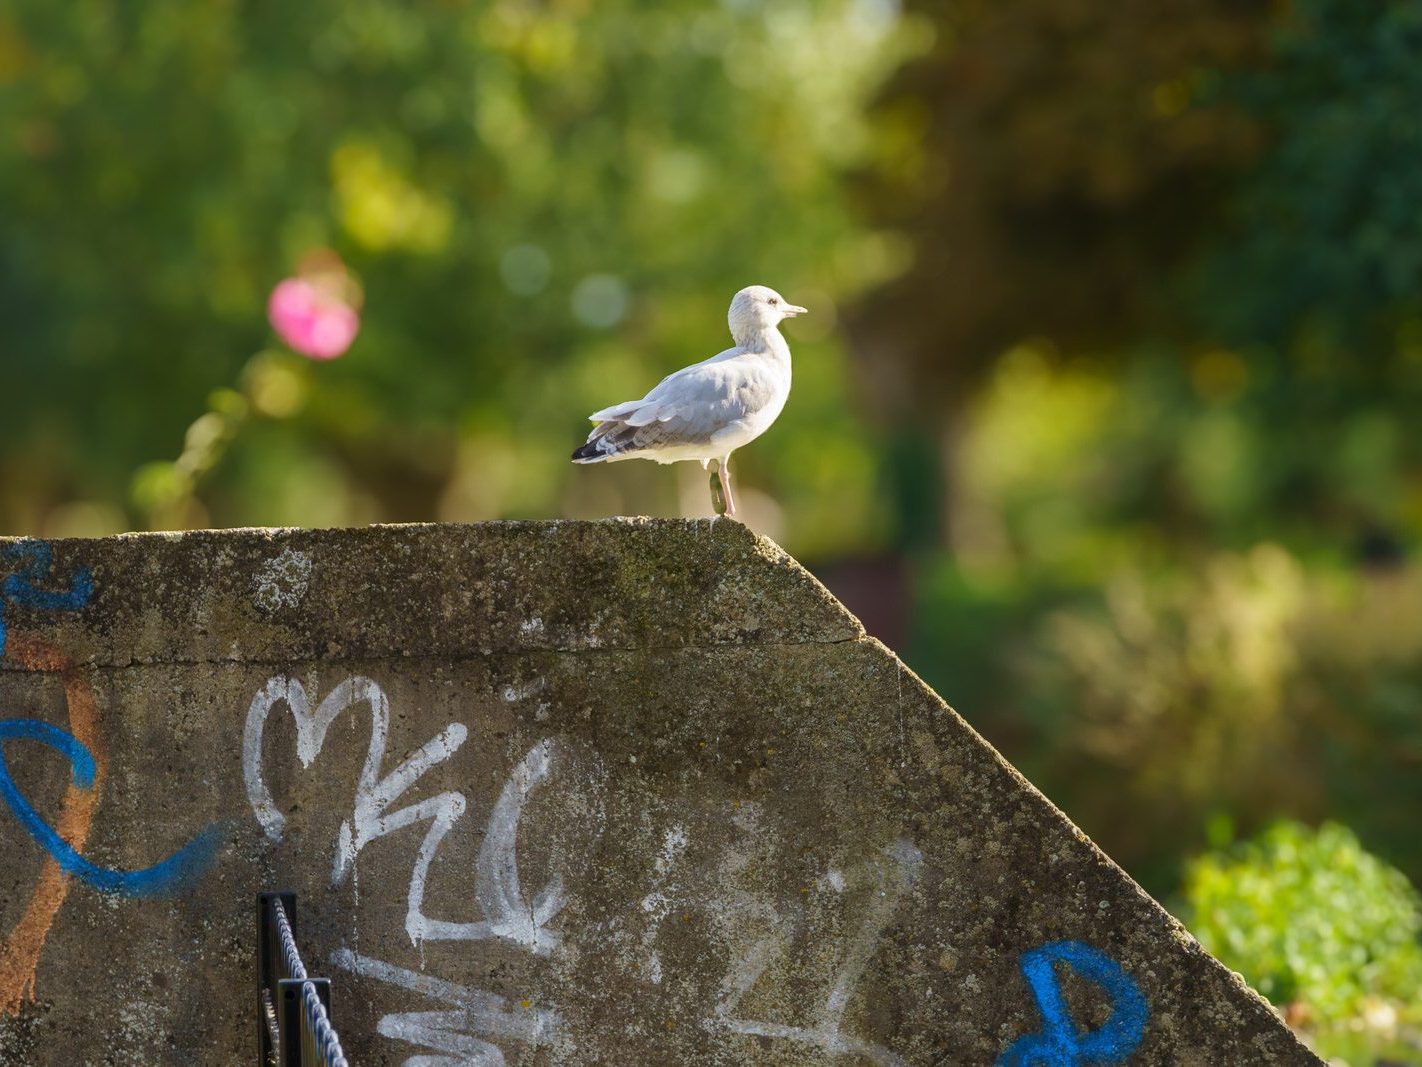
(1060, 1043)
(36, 560)
(176, 872)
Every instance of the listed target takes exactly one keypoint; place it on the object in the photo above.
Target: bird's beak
(791, 310)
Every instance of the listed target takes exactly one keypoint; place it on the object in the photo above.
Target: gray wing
(686, 408)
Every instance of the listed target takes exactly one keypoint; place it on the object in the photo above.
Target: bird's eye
(775, 300)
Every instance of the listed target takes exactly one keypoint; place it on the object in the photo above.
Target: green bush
(1326, 931)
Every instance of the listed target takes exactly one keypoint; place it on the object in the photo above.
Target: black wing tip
(588, 453)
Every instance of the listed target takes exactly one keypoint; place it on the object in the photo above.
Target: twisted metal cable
(292, 958)
(328, 1042)
(269, 1018)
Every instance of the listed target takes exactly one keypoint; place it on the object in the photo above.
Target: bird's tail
(589, 453)
(607, 441)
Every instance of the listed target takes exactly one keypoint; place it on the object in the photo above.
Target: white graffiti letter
(496, 881)
(452, 1032)
(374, 795)
(904, 861)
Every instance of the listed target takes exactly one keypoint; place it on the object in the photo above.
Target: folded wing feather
(685, 408)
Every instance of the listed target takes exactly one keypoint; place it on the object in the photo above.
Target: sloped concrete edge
(249, 595)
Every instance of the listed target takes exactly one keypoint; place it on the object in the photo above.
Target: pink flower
(313, 318)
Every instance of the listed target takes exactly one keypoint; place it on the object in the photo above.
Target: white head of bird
(756, 309)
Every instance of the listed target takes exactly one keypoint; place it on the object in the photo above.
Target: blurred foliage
(1052, 160)
(1116, 609)
(1236, 173)
(1326, 931)
(1329, 216)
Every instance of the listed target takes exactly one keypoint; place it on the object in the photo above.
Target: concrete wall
(613, 793)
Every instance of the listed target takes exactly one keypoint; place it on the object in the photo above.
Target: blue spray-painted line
(36, 560)
(177, 872)
(1060, 1043)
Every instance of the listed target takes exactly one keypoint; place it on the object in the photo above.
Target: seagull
(707, 410)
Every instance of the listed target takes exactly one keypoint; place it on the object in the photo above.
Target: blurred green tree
(1052, 161)
(1326, 226)
(1228, 188)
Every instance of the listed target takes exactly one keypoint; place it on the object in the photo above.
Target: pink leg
(724, 465)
